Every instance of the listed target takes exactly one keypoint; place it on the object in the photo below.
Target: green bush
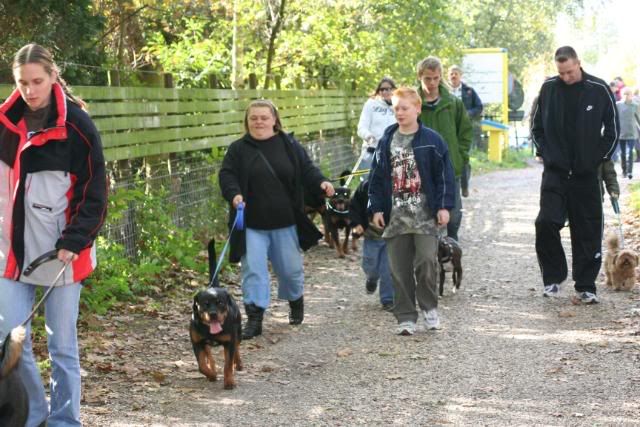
(161, 247)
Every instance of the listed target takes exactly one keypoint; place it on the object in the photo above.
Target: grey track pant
(414, 269)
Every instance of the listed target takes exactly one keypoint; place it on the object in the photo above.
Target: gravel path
(504, 355)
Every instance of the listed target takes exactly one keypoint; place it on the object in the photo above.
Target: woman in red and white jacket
(53, 196)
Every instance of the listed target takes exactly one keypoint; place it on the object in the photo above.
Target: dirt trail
(504, 356)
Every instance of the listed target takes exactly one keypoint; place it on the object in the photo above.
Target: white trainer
(406, 328)
(431, 319)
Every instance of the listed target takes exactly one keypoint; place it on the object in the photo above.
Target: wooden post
(168, 80)
(278, 81)
(253, 81)
(213, 81)
(298, 83)
(354, 85)
(113, 77)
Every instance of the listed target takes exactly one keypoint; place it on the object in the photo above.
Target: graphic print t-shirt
(409, 210)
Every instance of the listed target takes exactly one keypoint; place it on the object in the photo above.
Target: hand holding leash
(67, 256)
(327, 188)
(615, 205)
(237, 199)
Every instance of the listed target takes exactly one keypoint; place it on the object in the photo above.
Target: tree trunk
(272, 42)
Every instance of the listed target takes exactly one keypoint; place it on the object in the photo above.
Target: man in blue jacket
(575, 128)
(411, 191)
(473, 105)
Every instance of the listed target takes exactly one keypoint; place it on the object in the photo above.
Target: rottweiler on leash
(216, 319)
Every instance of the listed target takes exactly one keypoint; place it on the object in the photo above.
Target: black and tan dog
(216, 319)
(450, 259)
(336, 217)
(14, 403)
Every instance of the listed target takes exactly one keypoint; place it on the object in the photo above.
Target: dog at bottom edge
(619, 265)
(14, 403)
(216, 319)
(450, 259)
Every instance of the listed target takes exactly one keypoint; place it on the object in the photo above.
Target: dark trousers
(455, 215)
(579, 200)
(466, 176)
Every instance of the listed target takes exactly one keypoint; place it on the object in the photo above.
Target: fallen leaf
(158, 376)
(567, 314)
(345, 352)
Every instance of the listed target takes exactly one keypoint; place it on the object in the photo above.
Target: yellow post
(495, 146)
(498, 138)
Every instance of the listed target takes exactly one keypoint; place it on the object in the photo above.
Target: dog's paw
(229, 385)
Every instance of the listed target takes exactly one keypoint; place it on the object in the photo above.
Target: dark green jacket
(450, 119)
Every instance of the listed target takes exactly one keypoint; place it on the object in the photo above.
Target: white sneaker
(406, 328)
(431, 319)
(551, 291)
(587, 297)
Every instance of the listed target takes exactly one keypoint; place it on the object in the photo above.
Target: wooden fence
(139, 122)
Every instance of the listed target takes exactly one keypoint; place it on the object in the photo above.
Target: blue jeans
(365, 163)
(375, 265)
(61, 316)
(456, 213)
(626, 156)
(280, 246)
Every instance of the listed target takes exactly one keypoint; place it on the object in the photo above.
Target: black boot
(296, 311)
(253, 327)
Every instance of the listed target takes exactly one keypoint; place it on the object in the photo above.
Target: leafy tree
(524, 27)
(67, 28)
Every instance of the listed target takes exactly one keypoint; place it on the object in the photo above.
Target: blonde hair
(263, 103)
(429, 63)
(35, 54)
(409, 94)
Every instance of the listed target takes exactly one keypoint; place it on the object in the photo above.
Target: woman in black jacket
(267, 169)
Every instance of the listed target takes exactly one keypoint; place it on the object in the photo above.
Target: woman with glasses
(376, 116)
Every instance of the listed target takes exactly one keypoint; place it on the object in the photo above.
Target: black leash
(49, 256)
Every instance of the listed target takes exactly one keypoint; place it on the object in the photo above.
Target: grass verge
(511, 159)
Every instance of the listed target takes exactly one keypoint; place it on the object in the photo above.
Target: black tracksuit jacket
(597, 125)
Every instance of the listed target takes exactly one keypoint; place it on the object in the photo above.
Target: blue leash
(238, 224)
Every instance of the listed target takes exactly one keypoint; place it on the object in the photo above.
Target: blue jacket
(471, 101)
(434, 167)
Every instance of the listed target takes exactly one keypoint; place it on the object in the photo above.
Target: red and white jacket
(53, 190)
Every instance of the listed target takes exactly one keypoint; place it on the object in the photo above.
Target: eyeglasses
(386, 89)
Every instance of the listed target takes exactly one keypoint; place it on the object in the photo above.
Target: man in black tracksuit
(575, 128)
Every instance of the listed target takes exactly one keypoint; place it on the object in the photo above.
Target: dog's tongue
(215, 327)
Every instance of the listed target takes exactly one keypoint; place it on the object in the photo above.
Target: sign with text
(484, 70)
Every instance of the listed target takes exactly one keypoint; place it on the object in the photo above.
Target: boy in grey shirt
(411, 192)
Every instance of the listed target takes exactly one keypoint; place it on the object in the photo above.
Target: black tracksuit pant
(577, 198)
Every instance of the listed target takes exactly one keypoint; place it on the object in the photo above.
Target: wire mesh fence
(187, 184)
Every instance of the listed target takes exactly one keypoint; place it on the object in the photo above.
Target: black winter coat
(597, 125)
(234, 179)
